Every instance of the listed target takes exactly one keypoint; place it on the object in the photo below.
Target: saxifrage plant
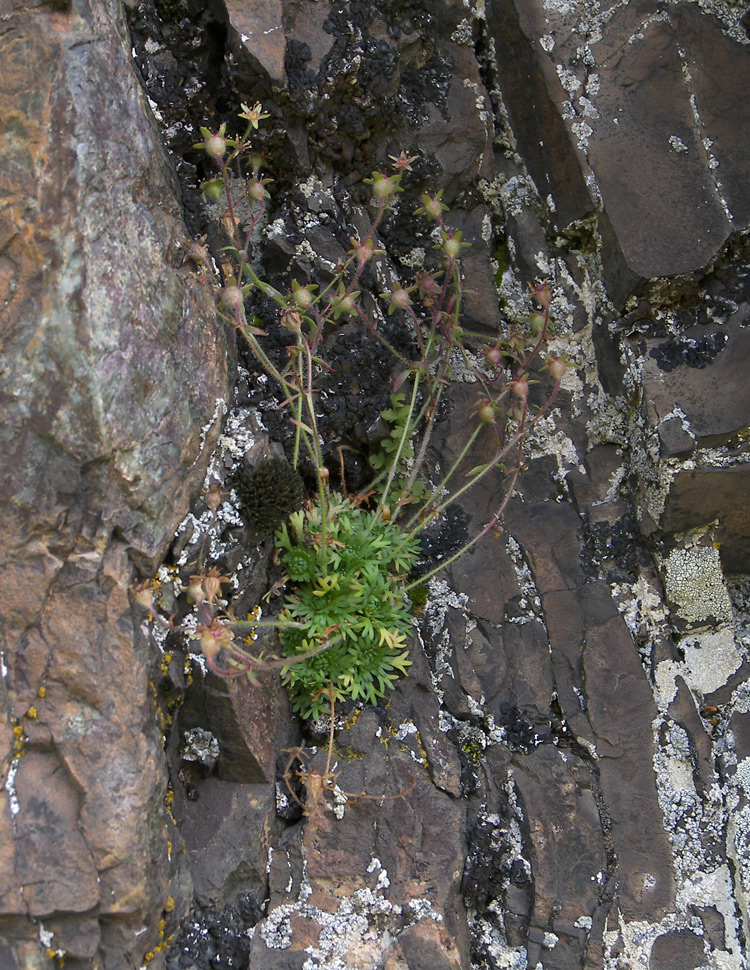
(346, 616)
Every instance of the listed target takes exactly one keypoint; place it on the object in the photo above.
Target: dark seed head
(268, 494)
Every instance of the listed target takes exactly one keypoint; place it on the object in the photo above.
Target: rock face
(637, 107)
(562, 780)
(113, 374)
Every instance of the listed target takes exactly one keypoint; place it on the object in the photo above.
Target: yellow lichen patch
(42, 692)
(166, 660)
(19, 738)
(351, 719)
(31, 714)
(254, 615)
(164, 940)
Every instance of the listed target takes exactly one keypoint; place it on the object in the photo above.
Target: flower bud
(452, 245)
(493, 356)
(303, 295)
(142, 595)
(398, 298)
(537, 321)
(216, 146)
(486, 412)
(195, 589)
(232, 296)
(557, 367)
(212, 639)
(542, 293)
(432, 206)
(211, 583)
(291, 320)
(520, 388)
(255, 190)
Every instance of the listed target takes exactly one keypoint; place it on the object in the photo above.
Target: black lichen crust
(215, 938)
(268, 494)
(614, 551)
(694, 353)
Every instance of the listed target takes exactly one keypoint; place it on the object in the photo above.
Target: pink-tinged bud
(520, 388)
(542, 293)
(398, 298)
(216, 146)
(255, 190)
(486, 412)
(557, 367)
(232, 296)
(428, 287)
(211, 642)
(362, 251)
(142, 595)
(493, 356)
(432, 206)
(213, 638)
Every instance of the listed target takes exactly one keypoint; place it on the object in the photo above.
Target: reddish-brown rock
(112, 374)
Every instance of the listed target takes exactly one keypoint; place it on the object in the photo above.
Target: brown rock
(112, 370)
(382, 869)
(51, 854)
(257, 36)
(681, 950)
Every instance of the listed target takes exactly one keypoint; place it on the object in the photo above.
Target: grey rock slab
(227, 830)
(567, 847)
(644, 103)
(711, 401)
(701, 415)
(606, 699)
(621, 709)
(533, 95)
